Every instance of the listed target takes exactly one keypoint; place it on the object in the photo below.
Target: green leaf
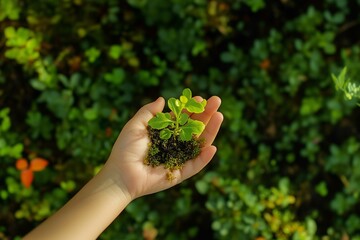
(91, 114)
(117, 76)
(166, 133)
(195, 107)
(343, 83)
(5, 122)
(160, 121)
(175, 106)
(322, 189)
(202, 186)
(115, 51)
(183, 118)
(203, 103)
(10, 9)
(310, 105)
(185, 134)
(187, 93)
(340, 81)
(183, 99)
(92, 54)
(193, 127)
(10, 32)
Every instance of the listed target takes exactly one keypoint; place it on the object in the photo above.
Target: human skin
(125, 177)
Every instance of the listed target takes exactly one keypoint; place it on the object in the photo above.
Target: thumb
(149, 110)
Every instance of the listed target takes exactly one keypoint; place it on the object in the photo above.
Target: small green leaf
(195, 107)
(115, 51)
(202, 186)
(92, 54)
(10, 32)
(175, 106)
(160, 121)
(166, 133)
(117, 76)
(183, 99)
(340, 81)
(322, 189)
(343, 83)
(5, 123)
(203, 103)
(187, 93)
(183, 118)
(91, 114)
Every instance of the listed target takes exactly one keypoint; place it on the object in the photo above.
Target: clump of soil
(173, 153)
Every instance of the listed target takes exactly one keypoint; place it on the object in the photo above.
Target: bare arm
(124, 178)
(88, 213)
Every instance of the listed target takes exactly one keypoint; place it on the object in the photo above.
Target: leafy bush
(73, 72)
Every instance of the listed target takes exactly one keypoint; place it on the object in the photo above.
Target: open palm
(130, 149)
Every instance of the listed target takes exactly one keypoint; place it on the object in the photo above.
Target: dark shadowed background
(73, 72)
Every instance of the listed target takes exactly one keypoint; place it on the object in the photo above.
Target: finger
(149, 110)
(212, 128)
(211, 107)
(194, 166)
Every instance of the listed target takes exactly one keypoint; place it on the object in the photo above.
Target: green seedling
(344, 84)
(179, 124)
(174, 136)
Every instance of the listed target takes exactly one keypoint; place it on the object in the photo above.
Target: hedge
(73, 72)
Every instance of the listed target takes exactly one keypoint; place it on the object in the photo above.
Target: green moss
(173, 153)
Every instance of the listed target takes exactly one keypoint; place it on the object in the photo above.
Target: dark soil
(172, 153)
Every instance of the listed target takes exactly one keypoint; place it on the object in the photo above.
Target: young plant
(343, 83)
(173, 136)
(179, 124)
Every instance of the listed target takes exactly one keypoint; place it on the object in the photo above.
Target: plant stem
(176, 132)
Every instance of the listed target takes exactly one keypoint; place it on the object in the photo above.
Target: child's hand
(125, 177)
(127, 157)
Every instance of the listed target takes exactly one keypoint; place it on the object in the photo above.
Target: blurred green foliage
(73, 72)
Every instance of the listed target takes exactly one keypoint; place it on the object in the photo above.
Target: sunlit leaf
(115, 51)
(180, 122)
(10, 32)
(195, 107)
(160, 121)
(183, 99)
(203, 103)
(340, 81)
(187, 93)
(175, 106)
(343, 83)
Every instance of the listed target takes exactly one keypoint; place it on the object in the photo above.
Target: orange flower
(27, 176)
(27, 171)
(38, 164)
(21, 164)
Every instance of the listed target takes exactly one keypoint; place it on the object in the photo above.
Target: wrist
(114, 183)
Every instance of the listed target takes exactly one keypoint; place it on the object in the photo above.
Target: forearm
(88, 213)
